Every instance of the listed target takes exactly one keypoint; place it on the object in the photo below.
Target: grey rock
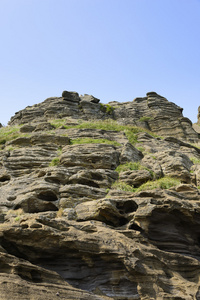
(68, 232)
(27, 128)
(130, 153)
(89, 98)
(153, 112)
(135, 178)
(70, 96)
(91, 156)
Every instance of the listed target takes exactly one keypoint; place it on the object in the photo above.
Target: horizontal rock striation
(100, 201)
(152, 112)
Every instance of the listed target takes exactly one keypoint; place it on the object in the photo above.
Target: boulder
(91, 156)
(89, 98)
(135, 178)
(130, 153)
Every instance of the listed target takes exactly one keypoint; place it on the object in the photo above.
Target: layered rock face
(99, 201)
(152, 112)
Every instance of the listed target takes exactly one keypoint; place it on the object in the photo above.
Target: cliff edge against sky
(100, 201)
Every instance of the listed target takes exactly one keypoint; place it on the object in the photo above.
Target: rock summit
(100, 201)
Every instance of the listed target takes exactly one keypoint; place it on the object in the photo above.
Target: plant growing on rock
(129, 166)
(145, 119)
(122, 186)
(93, 141)
(162, 183)
(55, 161)
(195, 160)
(107, 108)
(9, 133)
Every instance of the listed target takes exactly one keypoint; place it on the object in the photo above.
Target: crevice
(126, 207)
(5, 178)
(47, 196)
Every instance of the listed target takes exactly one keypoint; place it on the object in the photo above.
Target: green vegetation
(110, 124)
(122, 186)
(108, 109)
(55, 161)
(58, 123)
(141, 149)
(144, 119)
(104, 125)
(93, 141)
(162, 183)
(130, 131)
(129, 166)
(9, 133)
(195, 145)
(17, 214)
(133, 166)
(195, 160)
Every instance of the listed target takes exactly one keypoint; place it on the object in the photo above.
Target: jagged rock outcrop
(152, 112)
(94, 205)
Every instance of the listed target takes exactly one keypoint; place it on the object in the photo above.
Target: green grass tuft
(122, 186)
(162, 183)
(55, 161)
(9, 133)
(94, 141)
(58, 123)
(144, 119)
(129, 166)
(195, 160)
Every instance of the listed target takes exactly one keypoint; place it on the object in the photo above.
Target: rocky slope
(100, 201)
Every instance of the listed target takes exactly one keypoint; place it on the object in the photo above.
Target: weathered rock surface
(99, 210)
(152, 112)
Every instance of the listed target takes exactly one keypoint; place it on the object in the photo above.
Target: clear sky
(115, 50)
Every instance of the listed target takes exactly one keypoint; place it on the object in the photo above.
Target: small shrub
(59, 151)
(162, 183)
(55, 161)
(9, 133)
(131, 135)
(144, 119)
(129, 166)
(195, 160)
(122, 186)
(58, 122)
(140, 149)
(109, 109)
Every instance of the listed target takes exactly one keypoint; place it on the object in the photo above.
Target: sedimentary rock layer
(99, 202)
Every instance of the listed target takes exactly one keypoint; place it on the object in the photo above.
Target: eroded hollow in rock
(174, 231)
(4, 178)
(126, 207)
(98, 274)
(47, 196)
(135, 227)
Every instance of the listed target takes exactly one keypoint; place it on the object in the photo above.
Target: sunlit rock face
(152, 112)
(99, 201)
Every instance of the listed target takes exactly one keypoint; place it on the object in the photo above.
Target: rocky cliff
(100, 201)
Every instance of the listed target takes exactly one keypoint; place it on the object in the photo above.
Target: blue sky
(115, 50)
